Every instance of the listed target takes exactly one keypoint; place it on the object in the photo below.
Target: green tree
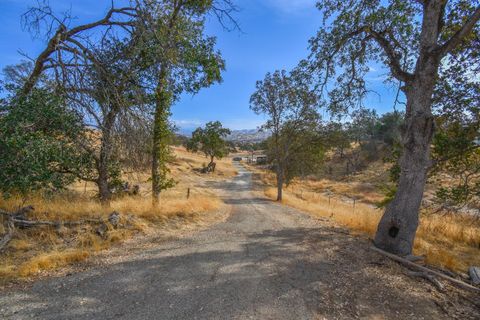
(304, 154)
(411, 38)
(37, 144)
(211, 141)
(291, 107)
(456, 145)
(178, 58)
(388, 128)
(457, 153)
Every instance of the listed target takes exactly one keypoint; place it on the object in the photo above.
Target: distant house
(257, 159)
(261, 159)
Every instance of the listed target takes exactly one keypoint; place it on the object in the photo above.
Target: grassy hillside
(33, 250)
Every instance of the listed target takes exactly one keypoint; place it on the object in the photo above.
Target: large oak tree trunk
(397, 228)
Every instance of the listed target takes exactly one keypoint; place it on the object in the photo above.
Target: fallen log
(18, 219)
(39, 223)
(6, 239)
(19, 214)
(408, 263)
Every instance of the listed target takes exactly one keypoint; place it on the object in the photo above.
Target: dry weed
(37, 249)
(451, 241)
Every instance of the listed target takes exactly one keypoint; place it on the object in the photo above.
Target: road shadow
(274, 274)
(251, 200)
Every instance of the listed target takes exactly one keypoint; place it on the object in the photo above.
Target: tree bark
(397, 228)
(211, 164)
(279, 182)
(160, 136)
(105, 157)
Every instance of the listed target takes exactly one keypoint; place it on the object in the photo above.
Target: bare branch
(393, 57)
(63, 34)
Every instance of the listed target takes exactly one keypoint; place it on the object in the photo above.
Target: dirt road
(265, 261)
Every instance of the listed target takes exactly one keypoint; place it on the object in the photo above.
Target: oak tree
(210, 141)
(291, 107)
(413, 39)
(178, 58)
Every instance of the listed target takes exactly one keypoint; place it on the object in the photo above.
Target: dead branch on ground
(18, 219)
(410, 264)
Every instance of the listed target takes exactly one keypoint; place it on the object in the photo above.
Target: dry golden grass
(44, 248)
(51, 260)
(450, 241)
(187, 161)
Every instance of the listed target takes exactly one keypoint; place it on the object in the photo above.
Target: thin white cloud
(187, 123)
(381, 78)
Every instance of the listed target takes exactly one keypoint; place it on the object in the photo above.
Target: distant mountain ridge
(244, 135)
(248, 135)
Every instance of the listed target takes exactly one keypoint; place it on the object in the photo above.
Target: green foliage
(284, 98)
(345, 46)
(37, 135)
(171, 39)
(161, 145)
(389, 126)
(302, 151)
(177, 57)
(210, 140)
(456, 152)
(366, 138)
(295, 146)
(389, 190)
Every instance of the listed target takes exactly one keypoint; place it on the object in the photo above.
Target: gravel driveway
(265, 261)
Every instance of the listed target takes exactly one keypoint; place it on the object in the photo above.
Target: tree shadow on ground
(272, 274)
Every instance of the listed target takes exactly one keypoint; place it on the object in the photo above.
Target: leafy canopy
(171, 39)
(284, 98)
(358, 33)
(291, 106)
(210, 140)
(37, 135)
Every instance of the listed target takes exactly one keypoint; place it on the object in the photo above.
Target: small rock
(114, 219)
(102, 230)
(474, 273)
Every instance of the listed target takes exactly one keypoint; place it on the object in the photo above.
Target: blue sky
(274, 36)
